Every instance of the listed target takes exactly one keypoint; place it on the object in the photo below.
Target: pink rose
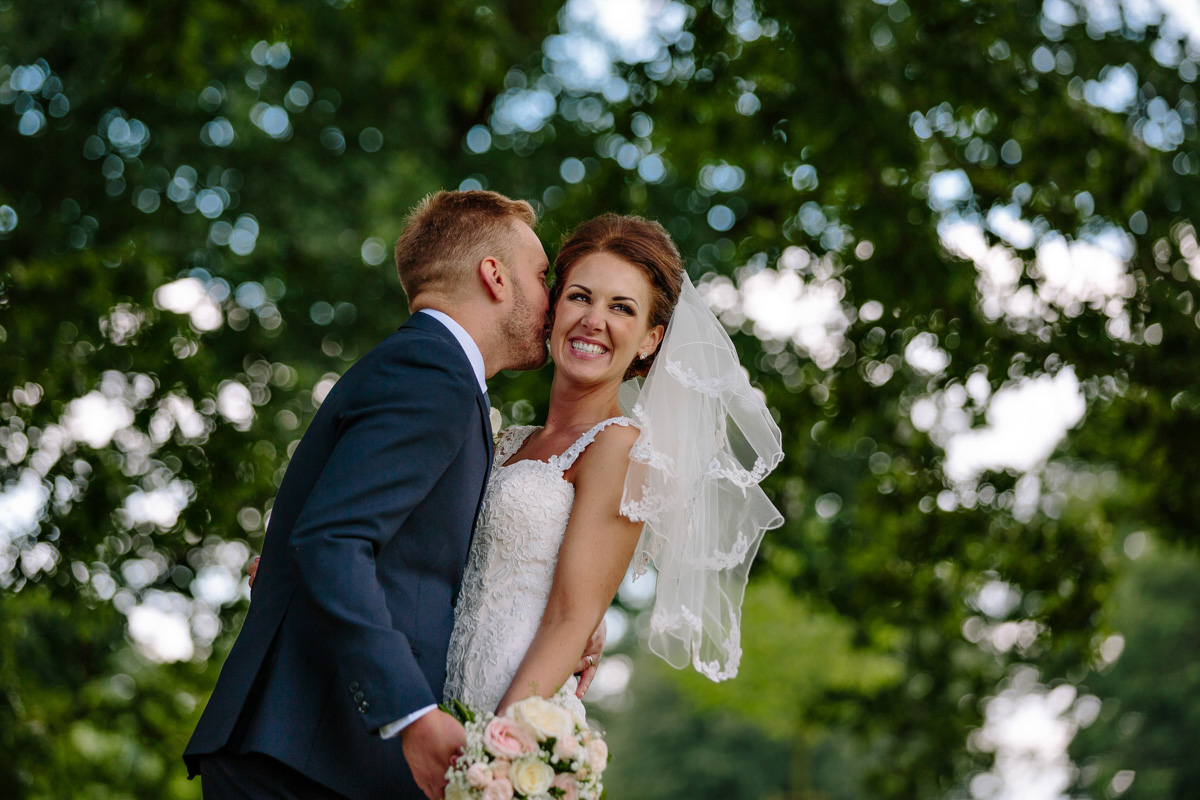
(499, 789)
(500, 768)
(566, 748)
(479, 776)
(504, 738)
(597, 755)
(567, 784)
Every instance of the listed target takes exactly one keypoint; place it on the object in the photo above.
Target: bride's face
(602, 320)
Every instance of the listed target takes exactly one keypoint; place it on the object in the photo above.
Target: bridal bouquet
(537, 750)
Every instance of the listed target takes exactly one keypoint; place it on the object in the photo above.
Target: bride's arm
(592, 561)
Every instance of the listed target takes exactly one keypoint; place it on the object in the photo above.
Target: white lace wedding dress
(510, 568)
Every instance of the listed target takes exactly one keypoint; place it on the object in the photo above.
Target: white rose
(455, 791)
(543, 719)
(530, 776)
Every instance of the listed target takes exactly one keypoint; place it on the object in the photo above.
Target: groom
(330, 689)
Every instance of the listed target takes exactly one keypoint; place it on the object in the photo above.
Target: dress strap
(564, 460)
(510, 441)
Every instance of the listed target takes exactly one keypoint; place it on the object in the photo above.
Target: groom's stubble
(525, 330)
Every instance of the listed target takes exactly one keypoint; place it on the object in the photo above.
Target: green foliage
(795, 661)
(1150, 719)
(662, 746)
(195, 145)
(83, 715)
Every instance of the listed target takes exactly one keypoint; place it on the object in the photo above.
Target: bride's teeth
(584, 347)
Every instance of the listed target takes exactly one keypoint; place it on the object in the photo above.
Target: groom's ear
(494, 279)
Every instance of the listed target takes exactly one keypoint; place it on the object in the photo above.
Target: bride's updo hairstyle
(641, 242)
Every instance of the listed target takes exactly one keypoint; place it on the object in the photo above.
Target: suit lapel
(485, 412)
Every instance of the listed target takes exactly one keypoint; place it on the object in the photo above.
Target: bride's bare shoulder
(607, 456)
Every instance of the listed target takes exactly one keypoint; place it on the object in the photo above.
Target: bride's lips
(584, 353)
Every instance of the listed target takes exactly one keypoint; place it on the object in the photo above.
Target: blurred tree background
(954, 241)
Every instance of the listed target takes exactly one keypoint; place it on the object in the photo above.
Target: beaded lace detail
(510, 567)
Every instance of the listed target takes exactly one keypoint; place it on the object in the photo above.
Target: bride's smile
(601, 322)
(581, 345)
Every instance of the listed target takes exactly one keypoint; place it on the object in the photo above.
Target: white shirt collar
(465, 341)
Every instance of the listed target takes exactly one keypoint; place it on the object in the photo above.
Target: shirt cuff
(393, 728)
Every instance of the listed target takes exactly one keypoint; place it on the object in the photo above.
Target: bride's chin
(585, 377)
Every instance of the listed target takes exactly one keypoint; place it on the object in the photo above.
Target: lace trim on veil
(707, 441)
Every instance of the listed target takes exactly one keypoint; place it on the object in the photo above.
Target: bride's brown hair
(643, 243)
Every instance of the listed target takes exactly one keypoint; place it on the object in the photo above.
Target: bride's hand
(253, 570)
(586, 668)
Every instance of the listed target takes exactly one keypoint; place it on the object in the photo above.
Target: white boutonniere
(497, 420)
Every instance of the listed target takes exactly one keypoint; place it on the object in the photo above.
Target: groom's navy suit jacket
(353, 603)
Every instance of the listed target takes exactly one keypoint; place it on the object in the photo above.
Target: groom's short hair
(448, 233)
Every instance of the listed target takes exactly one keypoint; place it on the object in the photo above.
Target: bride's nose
(592, 321)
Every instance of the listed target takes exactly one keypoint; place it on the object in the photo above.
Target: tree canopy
(912, 216)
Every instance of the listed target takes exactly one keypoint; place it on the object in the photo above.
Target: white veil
(707, 440)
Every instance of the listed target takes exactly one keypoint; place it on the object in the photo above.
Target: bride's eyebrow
(588, 291)
(583, 288)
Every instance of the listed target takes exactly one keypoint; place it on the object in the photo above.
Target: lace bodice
(510, 567)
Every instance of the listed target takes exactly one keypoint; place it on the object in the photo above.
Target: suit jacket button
(365, 705)
(358, 696)
(354, 686)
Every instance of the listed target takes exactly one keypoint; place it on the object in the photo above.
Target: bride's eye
(578, 296)
(623, 308)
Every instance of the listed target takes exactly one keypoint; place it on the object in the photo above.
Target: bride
(571, 504)
(662, 473)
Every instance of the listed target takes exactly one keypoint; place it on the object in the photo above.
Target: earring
(642, 356)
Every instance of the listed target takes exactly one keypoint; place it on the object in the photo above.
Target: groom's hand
(430, 745)
(586, 668)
